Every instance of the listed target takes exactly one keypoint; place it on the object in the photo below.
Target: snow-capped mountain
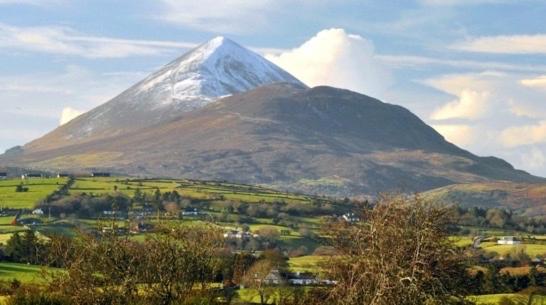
(222, 112)
(215, 69)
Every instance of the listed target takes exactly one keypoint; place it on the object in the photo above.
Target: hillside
(320, 140)
(529, 199)
(217, 68)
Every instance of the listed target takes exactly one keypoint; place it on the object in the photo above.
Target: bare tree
(180, 259)
(166, 269)
(399, 253)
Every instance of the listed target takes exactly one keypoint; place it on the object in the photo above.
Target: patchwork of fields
(215, 194)
(38, 189)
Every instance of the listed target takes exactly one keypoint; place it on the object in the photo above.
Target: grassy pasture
(309, 263)
(106, 185)
(192, 189)
(38, 189)
(22, 272)
(496, 299)
(461, 241)
(533, 250)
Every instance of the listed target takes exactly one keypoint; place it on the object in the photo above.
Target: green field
(193, 189)
(38, 189)
(496, 299)
(21, 272)
(103, 185)
(533, 250)
(41, 187)
(461, 241)
(309, 263)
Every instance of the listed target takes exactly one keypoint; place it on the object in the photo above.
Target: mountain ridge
(320, 140)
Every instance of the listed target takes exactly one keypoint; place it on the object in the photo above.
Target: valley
(294, 223)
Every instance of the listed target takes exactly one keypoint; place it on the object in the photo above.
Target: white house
(191, 212)
(350, 217)
(508, 240)
(234, 234)
(38, 212)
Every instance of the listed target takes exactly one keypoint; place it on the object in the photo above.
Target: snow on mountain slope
(217, 68)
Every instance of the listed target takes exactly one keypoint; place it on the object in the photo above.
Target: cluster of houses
(275, 277)
(238, 234)
(59, 175)
(508, 240)
(350, 217)
(191, 212)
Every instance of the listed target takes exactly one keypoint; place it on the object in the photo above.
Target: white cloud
(218, 16)
(412, 61)
(491, 115)
(534, 159)
(31, 2)
(32, 103)
(335, 58)
(524, 135)
(469, 105)
(537, 82)
(66, 41)
(462, 135)
(487, 93)
(459, 2)
(68, 114)
(506, 44)
(472, 95)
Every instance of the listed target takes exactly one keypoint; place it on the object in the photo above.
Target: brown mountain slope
(320, 140)
(528, 198)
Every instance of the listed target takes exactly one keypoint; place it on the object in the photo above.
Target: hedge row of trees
(499, 218)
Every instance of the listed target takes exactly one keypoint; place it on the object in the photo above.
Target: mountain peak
(220, 41)
(217, 68)
(218, 44)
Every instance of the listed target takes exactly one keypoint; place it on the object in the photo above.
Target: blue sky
(473, 69)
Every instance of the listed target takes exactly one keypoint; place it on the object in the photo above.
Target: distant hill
(321, 140)
(529, 199)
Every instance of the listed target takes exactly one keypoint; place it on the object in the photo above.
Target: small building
(537, 261)
(303, 279)
(31, 176)
(350, 217)
(100, 174)
(191, 212)
(274, 278)
(508, 240)
(3, 175)
(234, 234)
(63, 175)
(38, 212)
